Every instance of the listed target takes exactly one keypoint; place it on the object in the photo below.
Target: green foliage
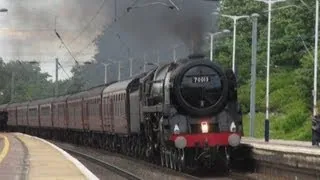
(31, 84)
(291, 67)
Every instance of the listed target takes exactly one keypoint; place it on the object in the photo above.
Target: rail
(106, 165)
(233, 175)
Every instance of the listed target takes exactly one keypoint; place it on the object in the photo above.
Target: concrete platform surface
(279, 142)
(12, 158)
(30, 157)
(302, 147)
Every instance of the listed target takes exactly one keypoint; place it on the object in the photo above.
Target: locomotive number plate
(200, 79)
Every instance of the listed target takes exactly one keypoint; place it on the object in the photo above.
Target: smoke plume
(152, 32)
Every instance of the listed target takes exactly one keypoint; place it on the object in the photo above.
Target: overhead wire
(89, 23)
(83, 30)
(64, 70)
(64, 44)
(107, 28)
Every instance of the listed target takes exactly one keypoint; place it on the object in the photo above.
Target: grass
(281, 127)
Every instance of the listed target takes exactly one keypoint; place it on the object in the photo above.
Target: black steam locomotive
(193, 105)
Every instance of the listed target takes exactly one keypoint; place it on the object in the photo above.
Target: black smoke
(148, 30)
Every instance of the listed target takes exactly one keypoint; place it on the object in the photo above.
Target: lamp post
(106, 72)
(212, 35)
(254, 18)
(144, 62)
(315, 60)
(234, 18)
(119, 70)
(269, 2)
(315, 137)
(130, 60)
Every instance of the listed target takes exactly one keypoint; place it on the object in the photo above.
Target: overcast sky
(27, 30)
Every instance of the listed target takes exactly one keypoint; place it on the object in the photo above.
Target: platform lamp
(269, 2)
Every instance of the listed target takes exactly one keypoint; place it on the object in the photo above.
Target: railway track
(70, 148)
(114, 168)
(111, 167)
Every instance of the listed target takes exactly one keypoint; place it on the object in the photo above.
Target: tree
(291, 74)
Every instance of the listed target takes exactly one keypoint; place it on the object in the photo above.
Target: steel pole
(266, 136)
(253, 73)
(234, 45)
(119, 71)
(315, 60)
(211, 47)
(57, 72)
(130, 59)
(105, 73)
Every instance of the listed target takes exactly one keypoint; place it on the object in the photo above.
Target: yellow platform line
(5, 149)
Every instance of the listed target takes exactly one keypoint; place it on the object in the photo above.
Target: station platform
(27, 157)
(289, 159)
(288, 146)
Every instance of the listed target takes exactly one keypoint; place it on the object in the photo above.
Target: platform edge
(84, 170)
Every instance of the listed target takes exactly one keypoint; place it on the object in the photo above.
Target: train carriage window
(45, 111)
(33, 112)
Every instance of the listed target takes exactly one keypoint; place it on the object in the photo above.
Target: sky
(27, 31)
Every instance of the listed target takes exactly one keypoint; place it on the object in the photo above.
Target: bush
(289, 113)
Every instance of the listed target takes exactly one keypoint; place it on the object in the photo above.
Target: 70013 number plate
(200, 79)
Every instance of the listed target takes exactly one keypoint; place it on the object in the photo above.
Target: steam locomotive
(182, 115)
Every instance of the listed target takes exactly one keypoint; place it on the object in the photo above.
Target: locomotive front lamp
(204, 127)
(233, 127)
(176, 129)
